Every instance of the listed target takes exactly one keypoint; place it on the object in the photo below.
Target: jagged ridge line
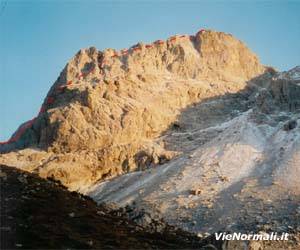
(61, 88)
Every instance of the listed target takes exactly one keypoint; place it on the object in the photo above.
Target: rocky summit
(104, 114)
(193, 129)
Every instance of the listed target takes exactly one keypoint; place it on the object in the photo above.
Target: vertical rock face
(286, 93)
(103, 115)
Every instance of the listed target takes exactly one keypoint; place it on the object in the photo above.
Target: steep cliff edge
(103, 115)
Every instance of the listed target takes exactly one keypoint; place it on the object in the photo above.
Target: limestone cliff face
(103, 115)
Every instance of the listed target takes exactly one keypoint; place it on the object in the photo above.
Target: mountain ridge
(194, 129)
(111, 105)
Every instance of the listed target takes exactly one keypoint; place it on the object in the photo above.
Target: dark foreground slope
(41, 214)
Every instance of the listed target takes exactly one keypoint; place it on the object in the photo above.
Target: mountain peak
(111, 105)
(208, 54)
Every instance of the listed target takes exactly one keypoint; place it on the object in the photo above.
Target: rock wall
(102, 116)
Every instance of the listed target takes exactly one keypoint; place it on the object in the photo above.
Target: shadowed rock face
(102, 116)
(238, 167)
(286, 93)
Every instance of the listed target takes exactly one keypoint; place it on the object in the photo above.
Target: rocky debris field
(237, 165)
(41, 214)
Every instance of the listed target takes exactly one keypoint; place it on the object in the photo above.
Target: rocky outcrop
(102, 116)
(239, 166)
